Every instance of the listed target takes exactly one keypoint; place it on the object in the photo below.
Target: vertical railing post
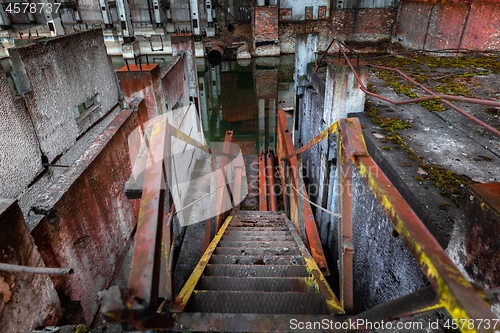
(346, 244)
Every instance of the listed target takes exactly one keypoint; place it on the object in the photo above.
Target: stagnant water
(244, 98)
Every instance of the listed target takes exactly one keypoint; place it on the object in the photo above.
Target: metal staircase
(256, 265)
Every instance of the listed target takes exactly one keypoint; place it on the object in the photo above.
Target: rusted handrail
(291, 174)
(454, 292)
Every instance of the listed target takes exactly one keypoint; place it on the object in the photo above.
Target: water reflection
(245, 98)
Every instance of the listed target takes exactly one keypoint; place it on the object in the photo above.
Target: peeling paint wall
(89, 220)
(27, 301)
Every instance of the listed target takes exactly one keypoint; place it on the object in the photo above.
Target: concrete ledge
(46, 206)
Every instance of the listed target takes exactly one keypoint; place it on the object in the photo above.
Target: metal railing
(151, 274)
(452, 289)
(445, 99)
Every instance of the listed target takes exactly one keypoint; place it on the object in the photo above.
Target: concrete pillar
(157, 13)
(342, 92)
(210, 18)
(53, 18)
(125, 21)
(106, 14)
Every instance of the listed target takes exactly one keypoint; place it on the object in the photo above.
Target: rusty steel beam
(271, 181)
(262, 182)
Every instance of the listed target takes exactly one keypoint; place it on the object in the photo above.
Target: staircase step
(255, 238)
(254, 224)
(250, 260)
(257, 229)
(257, 284)
(236, 232)
(242, 244)
(256, 270)
(256, 302)
(257, 251)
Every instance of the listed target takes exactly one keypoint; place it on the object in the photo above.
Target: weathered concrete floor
(445, 139)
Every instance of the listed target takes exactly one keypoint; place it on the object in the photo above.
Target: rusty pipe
(271, 181)
(421, 99)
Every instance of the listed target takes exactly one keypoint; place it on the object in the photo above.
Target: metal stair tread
(256, 302)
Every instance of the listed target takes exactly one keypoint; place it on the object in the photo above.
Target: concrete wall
(88, 220)
(57, 76)
(20, 156)
(433, 26)
(27, 301)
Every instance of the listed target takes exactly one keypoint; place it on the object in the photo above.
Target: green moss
(383, 141)
(385, 148)
(419, 179)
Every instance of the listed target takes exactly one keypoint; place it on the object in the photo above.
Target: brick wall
(285, 13)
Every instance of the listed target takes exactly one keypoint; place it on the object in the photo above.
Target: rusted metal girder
(312, 236)
(262, 182)
(442, 97)
(271, 181)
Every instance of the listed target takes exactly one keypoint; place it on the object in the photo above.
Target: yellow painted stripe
(181, 301)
